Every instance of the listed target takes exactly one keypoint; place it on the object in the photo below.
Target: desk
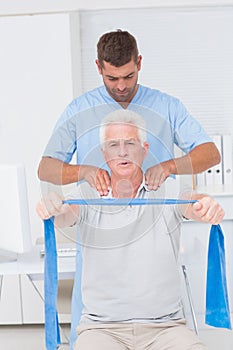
(19, 303)
(32, 264)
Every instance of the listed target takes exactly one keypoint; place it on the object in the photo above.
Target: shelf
(216, 190)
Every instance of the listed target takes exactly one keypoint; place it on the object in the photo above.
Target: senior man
(130, 279)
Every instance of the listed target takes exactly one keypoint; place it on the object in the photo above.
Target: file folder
(209, 177)
(218, 168)
(227, 158)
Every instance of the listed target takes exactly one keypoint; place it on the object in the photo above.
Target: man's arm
(52, 205)
(60, 173)
(206, 209)
(201, 158)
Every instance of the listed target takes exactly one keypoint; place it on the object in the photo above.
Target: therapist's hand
(157, 174)
(51, 205)
(96, 177)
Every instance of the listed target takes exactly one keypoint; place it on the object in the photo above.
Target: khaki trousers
(138, 336)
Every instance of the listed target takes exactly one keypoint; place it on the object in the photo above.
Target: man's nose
(123, 150)
(121, 85)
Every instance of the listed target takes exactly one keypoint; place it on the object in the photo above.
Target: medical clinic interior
(47, 59)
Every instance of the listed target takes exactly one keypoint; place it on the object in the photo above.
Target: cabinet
(21, 288)
(10, 305)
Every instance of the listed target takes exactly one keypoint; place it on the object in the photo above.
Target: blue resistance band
(217, 305)
(52, 331)
(128, 201)
(51, 279)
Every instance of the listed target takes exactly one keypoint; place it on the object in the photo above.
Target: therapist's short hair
(117, 48)
(123, 116)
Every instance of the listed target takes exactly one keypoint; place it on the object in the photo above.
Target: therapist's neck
(127, 186)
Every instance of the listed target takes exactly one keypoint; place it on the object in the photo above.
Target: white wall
(35, 86)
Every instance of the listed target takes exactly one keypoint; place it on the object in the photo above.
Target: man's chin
(121, 99)
(125, 173)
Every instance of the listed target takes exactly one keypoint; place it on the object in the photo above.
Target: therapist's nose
(121, 86)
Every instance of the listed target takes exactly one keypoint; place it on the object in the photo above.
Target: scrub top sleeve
(188, 132)
(63, 144)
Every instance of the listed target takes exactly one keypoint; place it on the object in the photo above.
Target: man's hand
(96, 177)
(50, 205)
(202, 157)
(60, 173)
(157, 174)
(206, 209)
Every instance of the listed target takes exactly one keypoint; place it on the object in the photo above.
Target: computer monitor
(15, 233)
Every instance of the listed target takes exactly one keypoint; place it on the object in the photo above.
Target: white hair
(123, 116)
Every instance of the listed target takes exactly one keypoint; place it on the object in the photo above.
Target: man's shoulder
(84, 191)
(148, 91)
(156, 98)
(83, 103)
(172, 188)
(88, 99)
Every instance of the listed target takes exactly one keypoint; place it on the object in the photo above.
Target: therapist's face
(123, 151)
(120, 82)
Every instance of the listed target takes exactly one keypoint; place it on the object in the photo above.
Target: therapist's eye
(129, 76)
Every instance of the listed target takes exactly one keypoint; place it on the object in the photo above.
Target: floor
(32, 338)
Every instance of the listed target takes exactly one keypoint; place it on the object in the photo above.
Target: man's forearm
(57, 172)
(198, 160)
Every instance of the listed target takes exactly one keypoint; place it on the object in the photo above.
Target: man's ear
(146, 148)
(139, 63)
(99, 67)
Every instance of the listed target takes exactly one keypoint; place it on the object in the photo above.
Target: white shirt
(129, 271)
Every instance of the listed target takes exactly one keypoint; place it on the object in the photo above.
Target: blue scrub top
(167, 122)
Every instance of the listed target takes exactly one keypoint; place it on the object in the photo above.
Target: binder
(218, 168)
(209, 177)
(200, 178)
(227, 158)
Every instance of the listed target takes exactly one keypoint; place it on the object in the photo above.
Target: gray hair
(124, 116)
